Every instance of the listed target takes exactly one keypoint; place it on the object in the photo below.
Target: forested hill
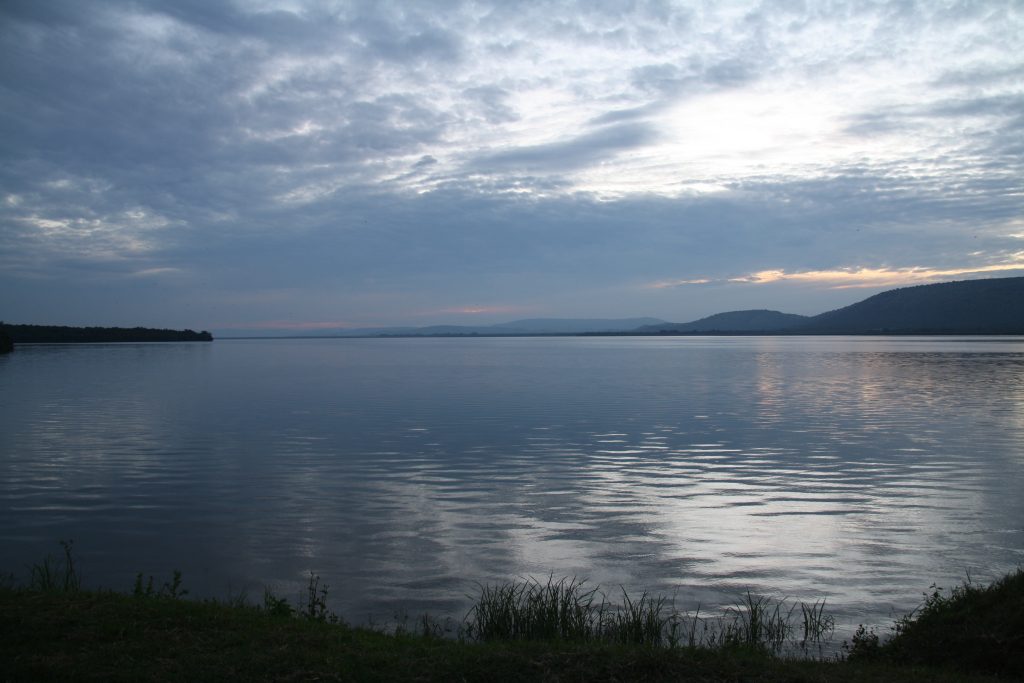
(58, 334)
(991, 306)
(994, 306)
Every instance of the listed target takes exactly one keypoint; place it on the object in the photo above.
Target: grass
(103, 636)
(970, 628)
(567, 610)
(558, 630)
(530, 610)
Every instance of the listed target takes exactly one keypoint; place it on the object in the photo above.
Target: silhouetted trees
(6, 343)
(59, 334)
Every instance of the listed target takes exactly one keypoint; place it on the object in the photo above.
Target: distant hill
(60, 334)
(574, 325)
(516, 327)
(993, 306)
(520, 327)
(759, 320)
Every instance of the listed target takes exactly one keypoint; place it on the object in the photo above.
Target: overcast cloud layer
(306, 164)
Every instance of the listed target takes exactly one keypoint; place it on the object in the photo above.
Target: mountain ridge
(985, 306)
(528, 326)
(991, 306)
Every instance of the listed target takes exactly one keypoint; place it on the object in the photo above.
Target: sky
(303, 165)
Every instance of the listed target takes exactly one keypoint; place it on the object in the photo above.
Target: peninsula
(60, 334)
(6, 343)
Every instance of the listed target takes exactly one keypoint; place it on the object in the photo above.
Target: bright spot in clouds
(875, 277)
(859, 277)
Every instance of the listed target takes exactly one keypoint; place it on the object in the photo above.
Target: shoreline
(516, 631)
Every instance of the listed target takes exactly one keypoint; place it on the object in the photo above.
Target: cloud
(493, 103)
(983, 74)
(666, 284)
(574, 153)
(157, 272)
(849, 278)
(369, 161)
(875, 277)
(480, 310)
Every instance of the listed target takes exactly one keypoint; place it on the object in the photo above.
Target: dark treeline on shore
(59, 334)
(6, 343)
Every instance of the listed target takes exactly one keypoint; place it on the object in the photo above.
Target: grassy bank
(970, 628)
(110, 637)
(50, 629)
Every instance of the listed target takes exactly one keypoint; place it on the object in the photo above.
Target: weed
(865, 644)
(56, 575)
(531, 610)
(429, 627)
(567, 610)
(692, 639)
(817, 625)
(237, 599)
(759, 622)
(171, 589)
(275, 606)
(640, 622)
(140, 591)
(315, 608)
(424, 626)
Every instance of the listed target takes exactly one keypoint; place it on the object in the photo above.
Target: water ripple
(404, 470)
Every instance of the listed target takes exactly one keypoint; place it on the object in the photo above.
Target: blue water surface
(405, 471)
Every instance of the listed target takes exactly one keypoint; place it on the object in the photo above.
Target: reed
(530, 610)
(818, 625)
(759, 621)
(649, 621)
(567, 609)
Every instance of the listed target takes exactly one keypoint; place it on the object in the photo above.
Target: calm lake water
(402, 471)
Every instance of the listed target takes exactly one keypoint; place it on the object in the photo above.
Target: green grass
(561, 630)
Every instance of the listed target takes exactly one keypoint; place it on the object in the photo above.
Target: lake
(404, 471)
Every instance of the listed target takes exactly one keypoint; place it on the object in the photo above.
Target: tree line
(61, 334)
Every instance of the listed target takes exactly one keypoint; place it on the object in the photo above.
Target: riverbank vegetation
(52, 629)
